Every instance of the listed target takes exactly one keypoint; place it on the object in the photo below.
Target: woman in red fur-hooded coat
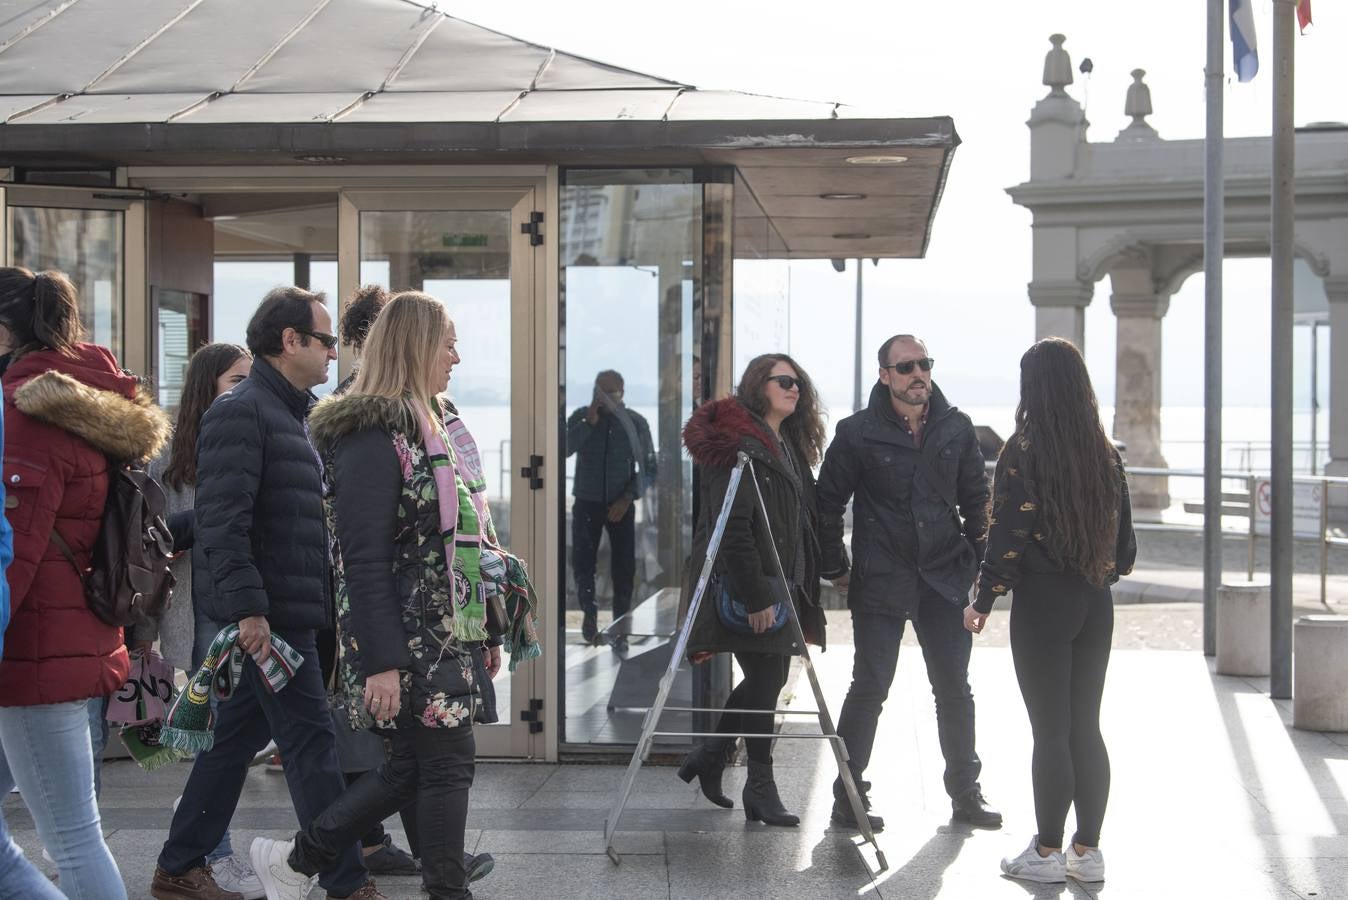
(775, 419)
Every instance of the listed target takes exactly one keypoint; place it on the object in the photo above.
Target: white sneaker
(234, 874)
(279, 881)
(1089, 866)
(1030, 866)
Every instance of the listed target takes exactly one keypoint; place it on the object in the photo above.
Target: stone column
(1139, 309)
(1060, 309)
(1336, 288)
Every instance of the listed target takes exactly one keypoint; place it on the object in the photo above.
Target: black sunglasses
(327, 340)
(906, 367)
(786, 382)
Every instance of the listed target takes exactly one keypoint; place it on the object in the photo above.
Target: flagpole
(1282, 245)
(1213, 250)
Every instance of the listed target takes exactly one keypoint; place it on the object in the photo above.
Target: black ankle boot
(761, 801)
(706, 764)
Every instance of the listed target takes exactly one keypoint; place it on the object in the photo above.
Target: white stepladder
(658, 708)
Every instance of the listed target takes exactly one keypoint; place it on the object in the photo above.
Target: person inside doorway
(615, 459)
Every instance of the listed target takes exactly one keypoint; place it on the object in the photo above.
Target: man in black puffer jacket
(911, 465)
(260, 526)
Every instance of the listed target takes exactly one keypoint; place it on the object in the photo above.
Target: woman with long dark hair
(775, 418)
(71, 414)
(1061, 534)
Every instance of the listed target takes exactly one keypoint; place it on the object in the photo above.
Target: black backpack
(130, 579)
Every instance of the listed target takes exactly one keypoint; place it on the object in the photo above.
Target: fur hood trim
(718, 429)
(122, 428)
(338, 415)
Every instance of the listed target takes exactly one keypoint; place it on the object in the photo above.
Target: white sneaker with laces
(1089, 866)
(279, 881)
(234, 874)
(1030, 866)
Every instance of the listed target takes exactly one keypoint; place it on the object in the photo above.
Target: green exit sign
(463, 240)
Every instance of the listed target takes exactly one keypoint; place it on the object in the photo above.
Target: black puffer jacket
(908, 527)
(714, 436)
(261, 546)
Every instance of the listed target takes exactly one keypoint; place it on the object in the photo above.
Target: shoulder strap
(69, 554)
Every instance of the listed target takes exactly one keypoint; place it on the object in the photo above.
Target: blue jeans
(49, 755)
(946, 645)
(20, 879)
(297, 717)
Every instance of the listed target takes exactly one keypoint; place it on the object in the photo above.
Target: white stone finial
(1138, 102)
(1138, 105)
(1057, 67)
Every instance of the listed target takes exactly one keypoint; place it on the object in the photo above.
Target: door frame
(525, 728)
(134, 314)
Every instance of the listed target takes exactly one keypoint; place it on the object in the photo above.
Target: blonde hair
(401, 348)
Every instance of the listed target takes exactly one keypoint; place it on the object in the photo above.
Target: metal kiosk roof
(229, 82)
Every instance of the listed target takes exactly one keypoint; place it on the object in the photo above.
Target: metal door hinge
(533, 715)
(533, 472)
(533, 228)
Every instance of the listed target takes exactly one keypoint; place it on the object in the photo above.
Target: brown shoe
(194, 884)
(367, 891)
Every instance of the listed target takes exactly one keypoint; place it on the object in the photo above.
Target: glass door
(97, 238)
(466, 248)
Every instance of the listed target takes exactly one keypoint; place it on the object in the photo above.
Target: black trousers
(945, 650)
(764, 677)
(1061, 630)
(297, 717)
(431, 766)
(589, 521)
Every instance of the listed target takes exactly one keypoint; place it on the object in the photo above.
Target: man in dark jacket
(911, 466)
(259, 509)
(615, 459)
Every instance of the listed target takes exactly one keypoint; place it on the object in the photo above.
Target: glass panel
(182, 329)
(462, 258)
(240, 285)
(86, 244)
(631, 251)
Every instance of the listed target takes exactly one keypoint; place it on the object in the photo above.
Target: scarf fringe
(468, 630)
(189, 742)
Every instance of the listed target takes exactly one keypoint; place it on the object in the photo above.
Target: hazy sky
(980, 62)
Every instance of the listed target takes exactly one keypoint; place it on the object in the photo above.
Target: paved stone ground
(1214, 795)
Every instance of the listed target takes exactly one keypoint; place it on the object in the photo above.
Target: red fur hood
(715, 433)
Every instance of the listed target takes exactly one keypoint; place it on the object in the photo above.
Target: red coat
(64, 417)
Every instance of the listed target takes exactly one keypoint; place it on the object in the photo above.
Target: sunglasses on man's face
(906, 367)
(786, 382)
(327, 340)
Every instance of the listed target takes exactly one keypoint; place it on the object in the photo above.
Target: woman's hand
(762, 620)
(383, 694)
(974, 620)
(493, 660)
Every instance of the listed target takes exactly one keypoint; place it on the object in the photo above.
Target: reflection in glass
(631, 252)
(182, 329)
(86, 244)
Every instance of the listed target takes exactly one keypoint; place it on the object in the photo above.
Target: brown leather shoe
(194, 884)
(367, 891)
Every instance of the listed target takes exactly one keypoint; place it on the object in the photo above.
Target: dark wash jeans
(297, 718)
(431, 768)
(945, 649)
(589, 520)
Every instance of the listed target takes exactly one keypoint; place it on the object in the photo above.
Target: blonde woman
(406, 668)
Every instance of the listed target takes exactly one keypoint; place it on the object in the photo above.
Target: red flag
(1303, 14)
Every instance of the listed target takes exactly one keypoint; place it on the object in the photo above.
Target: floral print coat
(394, 589)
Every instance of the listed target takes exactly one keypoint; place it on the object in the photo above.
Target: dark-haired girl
(70, 412)
(774, 417)
(1061, 534)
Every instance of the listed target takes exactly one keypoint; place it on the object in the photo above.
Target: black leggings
(764, 678)
(1061, 628)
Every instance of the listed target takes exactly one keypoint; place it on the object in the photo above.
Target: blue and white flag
(1243, 48)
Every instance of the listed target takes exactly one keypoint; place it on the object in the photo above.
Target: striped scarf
(190, 722)
(482, 568)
